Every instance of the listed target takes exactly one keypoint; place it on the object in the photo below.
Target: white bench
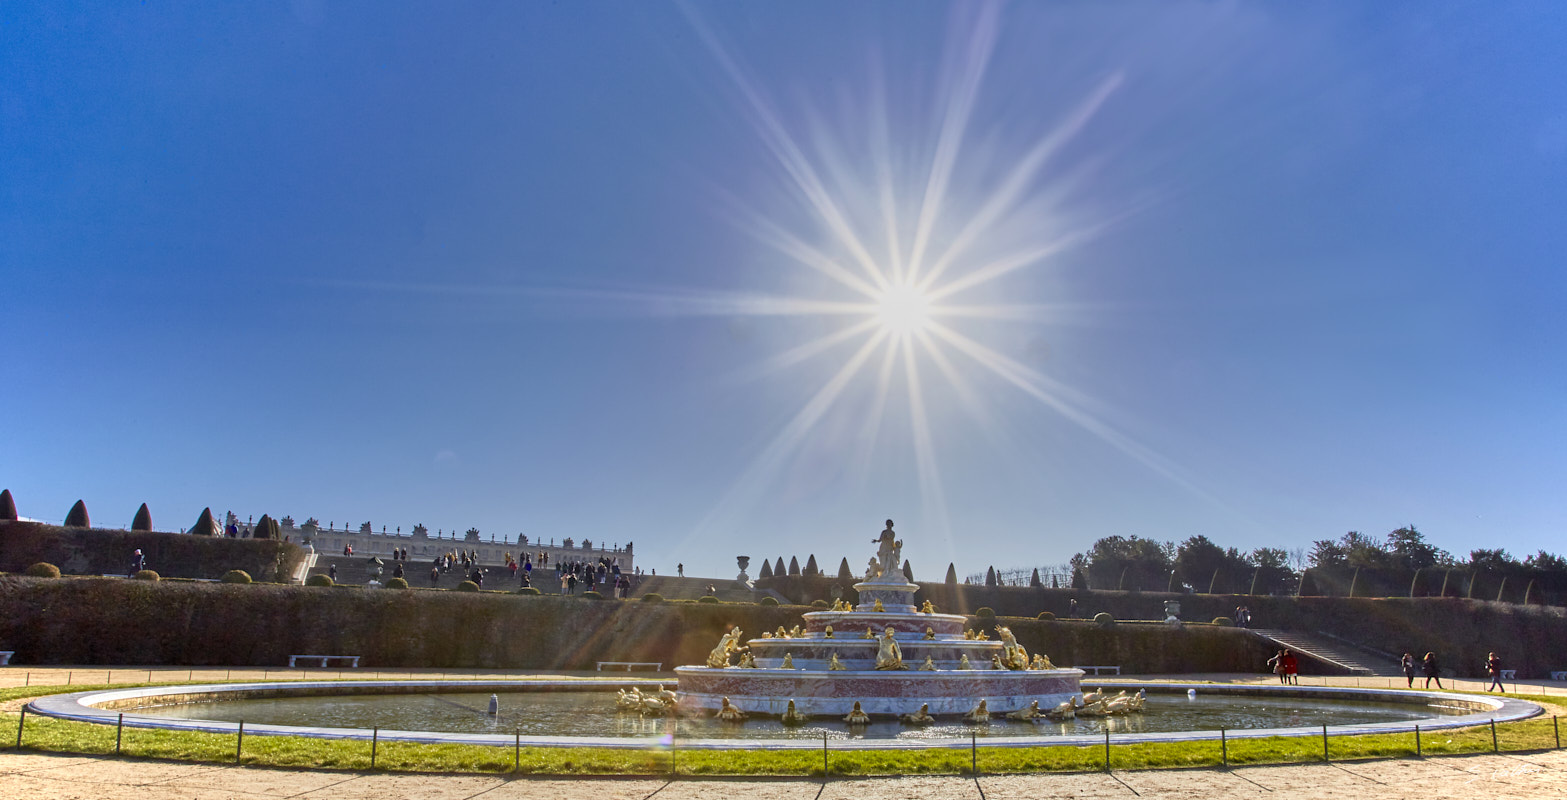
(1114, 669)
(353, 661)
(1559, 675)
(657, 666)
(5, 656)
(1509, 674)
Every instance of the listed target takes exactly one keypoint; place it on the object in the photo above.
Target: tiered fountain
(885, 653)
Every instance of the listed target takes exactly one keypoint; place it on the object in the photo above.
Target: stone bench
(656, 666)
(1113, 669)
(1509, 674)
(5, 656)
(1559, 675)
(353, 661)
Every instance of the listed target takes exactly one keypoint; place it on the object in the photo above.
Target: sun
(903, 310)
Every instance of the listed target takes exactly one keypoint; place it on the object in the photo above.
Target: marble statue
(857, 716)
(834, 665)
(979, 715)
(719, 657)
(927, 608)
(729, 713)
(889, 550)
(1013, 656)
(878, 607)
(888, 654)
(788, 662)
(930, 633)
(928, 666)
(1028, 714)
(963, 662)
(920, 717)
(792, 717)
(872, 569)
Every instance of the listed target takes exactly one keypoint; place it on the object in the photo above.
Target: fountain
(905, 659)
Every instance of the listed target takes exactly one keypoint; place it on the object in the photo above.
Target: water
(594, 714)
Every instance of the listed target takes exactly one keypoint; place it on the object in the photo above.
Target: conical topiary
(811, 570)
(778, 568)
(78, 517)
(1035, 581)
(266, 528)
(7, 506)
(143, 520)
(767, 569)
(952, 574)
(908, 571)
(844, 575)
(206, 525)
(794, 565)
(990, 576)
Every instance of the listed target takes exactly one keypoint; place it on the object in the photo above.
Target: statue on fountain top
(889, 552)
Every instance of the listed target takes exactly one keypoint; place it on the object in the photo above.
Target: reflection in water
(594, 714)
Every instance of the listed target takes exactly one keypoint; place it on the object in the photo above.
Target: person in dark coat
(1433, 671)
(1493, 668)
(1407, 663)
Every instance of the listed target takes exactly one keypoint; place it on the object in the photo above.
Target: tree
(1272, 573)
(1200, 562)
(266, 528)
(77, 518)
(767, 570)
(845, 575)
(1361, 550)
(1407, 548)
(143, 520)
(1546, 562)
(794, 566)
(1327, 553)
(7, 506)
(811, 570)
(206, 525)
(1130, 562)
(1490, 560)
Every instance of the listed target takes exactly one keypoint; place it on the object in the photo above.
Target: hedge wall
(114, 621)
(87, 551)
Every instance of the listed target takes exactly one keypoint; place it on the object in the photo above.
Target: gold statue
(928, 666)
(980, 714)
(927, 608)
(888, 654)
(729, 713)
(1013, 656)
(963, 662)
(1041, 661)
(792, 717)
(995, 662)
(834, 664)
(929, 633)
(869, 634)
(796, 633)
(968, 635)
(1028, 714)
(788, 661)
(719, 657)
(857, 716)
(878, 607)
(827, 632)
(920, 717)
(981, 636)
(746, 660)
(780, 633)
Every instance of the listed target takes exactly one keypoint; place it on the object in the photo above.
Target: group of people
(603, 572)
(1287, 666)
(1433, 671)
(1242, 617)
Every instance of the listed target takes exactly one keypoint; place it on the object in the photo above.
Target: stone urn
(743, 561)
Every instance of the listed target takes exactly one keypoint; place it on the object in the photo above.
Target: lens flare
(903, 310)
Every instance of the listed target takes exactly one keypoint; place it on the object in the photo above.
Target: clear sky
(749, 278)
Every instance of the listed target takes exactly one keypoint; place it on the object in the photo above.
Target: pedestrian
(1432, 670)
(1407, 664)
(1071, 609)
(1493, 667)
(138, 563)
(435, 575)
(1291, 668)
(680, 569)
(1277, 665)
(571, 583)
(331, 571)
(397, 571)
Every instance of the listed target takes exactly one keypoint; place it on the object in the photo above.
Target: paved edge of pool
(97, 707)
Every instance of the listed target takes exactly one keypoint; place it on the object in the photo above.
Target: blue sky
(538, 268)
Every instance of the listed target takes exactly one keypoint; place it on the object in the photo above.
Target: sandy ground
(58, 777)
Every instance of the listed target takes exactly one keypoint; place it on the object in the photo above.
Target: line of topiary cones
(206, 525)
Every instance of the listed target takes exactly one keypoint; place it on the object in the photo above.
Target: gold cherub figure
(968, 634)
(928, 666)
(834, 664)
(780, 633)
(869, 634)
(788, 661)
(827, 632)
(878, 607)
(930, 633)
(927, 608)
(963, 662)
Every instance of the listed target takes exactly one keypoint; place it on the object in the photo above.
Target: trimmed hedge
(820, 604)
(984, 611)
(592, 595)
(652, 597)
(528, 590)
(146, 575)
(77, 516)
(1104, 620)
(43, 569)
(708, 599)
(96, 551)
(767, 601)
(396, 583)
(1046, 615)
(466, 586)
(1224, 621)
(319, 580)
(143, 519)
(239, 576)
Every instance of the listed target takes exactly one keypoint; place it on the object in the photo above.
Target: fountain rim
(84, 707)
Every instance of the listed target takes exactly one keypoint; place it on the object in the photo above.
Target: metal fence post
(1107, 749)
(119, 733)
(1324, 744)
(516, 749)
(1557, 729)
(20, 724)
(1224, 749)
(674, 761)
(973, 753)
(825, 770)
(1494, 747)
(375, 739)
(239, 745)
(1418, 754)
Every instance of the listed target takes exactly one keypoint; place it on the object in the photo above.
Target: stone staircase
(1356, 661)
